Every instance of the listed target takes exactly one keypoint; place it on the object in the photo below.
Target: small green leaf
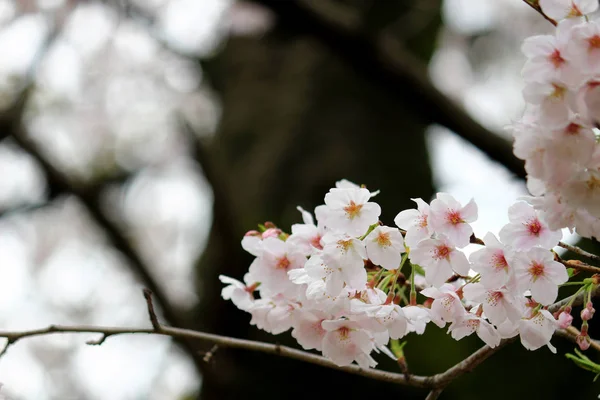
(570, 272)
(419, 269)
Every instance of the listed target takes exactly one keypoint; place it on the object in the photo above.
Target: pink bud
(252, 233)
(587, 314)
(564, 320)
(583, 341)
(271, 232)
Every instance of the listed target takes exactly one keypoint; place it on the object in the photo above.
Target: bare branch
(536, 6)
(151, 313)
(580, 251)
(434, 394)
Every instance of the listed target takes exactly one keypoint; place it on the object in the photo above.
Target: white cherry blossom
(448, 217)
(415, 222)
(350, 210)
(385, 246)
(537, 271)
(345, 342)
(446, 306)
(527, 230)
(439, 258)
(490, 262)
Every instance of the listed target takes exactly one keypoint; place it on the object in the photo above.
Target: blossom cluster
(346, 284)
(557, 134)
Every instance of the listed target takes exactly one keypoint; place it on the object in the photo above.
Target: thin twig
(151, 313)
(434, 394)
(579, 265)
(580, 251)
(438, 381)
(571, 334)
(536, 7)
(224, 342)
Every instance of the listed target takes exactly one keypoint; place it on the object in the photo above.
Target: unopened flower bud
(583, 341)
(587, 313)
(564, 320)
(271, 232)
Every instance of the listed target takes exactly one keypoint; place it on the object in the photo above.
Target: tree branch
(381, 58)
(580, 251)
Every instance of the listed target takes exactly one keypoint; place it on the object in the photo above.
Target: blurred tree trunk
(296, 119)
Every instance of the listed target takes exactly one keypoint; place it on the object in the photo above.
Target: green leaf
(419, 269)
(570, 272)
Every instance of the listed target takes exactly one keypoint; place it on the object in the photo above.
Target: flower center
(282, 263)
(572, 129)
(353, 210)
(556, 59)
(442, 251)
(345, 245)
(493, 298)
(454, 217)
(344, 333)
(499, 261)
(594, 43)
(536, 270)
(383, 239)
(534, 227)
(316, 242)
(559, 91)
(423, 221)
(574, 12)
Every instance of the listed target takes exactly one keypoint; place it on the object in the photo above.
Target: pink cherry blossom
(345, 342)
(307, 328)
(490, 262)
(350, 210)
(537, 331)
(537, 271)
(470, 323)
(385, 246)
(415, 222)
(527, 230)
(448, 217)
(239, 293)
(498, 304)
(446, 306)
(561, 9)
(271, 268)
(439, 258)
(584, 46)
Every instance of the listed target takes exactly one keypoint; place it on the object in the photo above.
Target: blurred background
(140, 139)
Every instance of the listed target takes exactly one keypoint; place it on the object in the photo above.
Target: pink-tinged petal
(488, 334)
(543, 291)
(469, 211)
(406, 218)
(538, 46)
(556, 273)
(459, 262)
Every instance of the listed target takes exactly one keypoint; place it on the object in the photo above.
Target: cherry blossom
(446, 306)
(415, 222)
(490, 262)
(469, 323)
(345, 342)
(239, 293)
(537, 330)
(439, 258)
(385, 246)
(537, 271)
(350, 210)
(449, 218)
(498, 304)
(561, 9)
(527, 230)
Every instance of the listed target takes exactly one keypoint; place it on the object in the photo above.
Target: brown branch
(151, 313)
(571, 334)
(536, 6)
(579, 266)
(580, 251)
(382, 59)
(434, 394)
